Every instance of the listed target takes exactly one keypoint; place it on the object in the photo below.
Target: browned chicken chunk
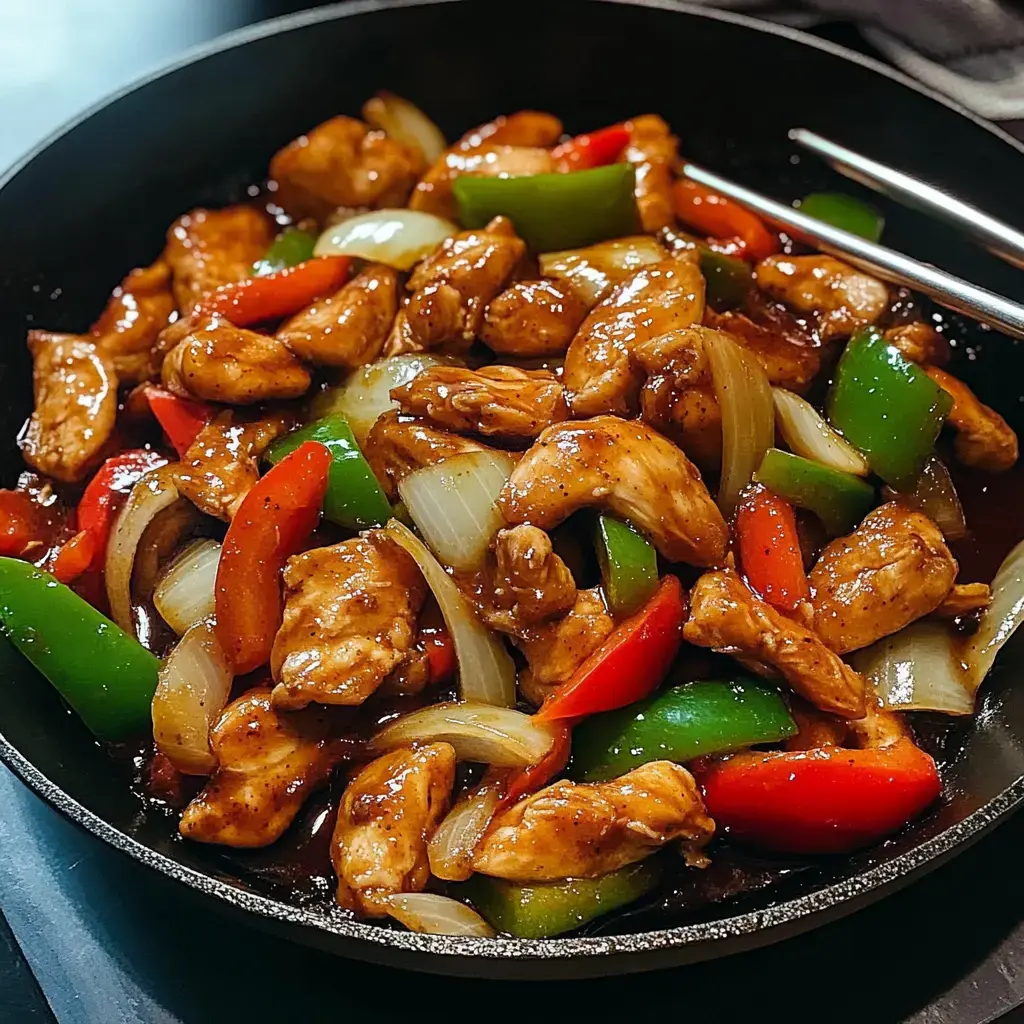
(920, 343)
(625, 468)
(343, 162)
(222, 463)
(593, 271)
(964, 599)
(349, 620)
(385, 821)
(496, 401)
(346, 329)
(267, 765)
(219, 362)
(582, 830)
(653, 150)
(208, 248)
(894, 568)
(75, 389)
(728, 618)
(533, 318)
(600, 374)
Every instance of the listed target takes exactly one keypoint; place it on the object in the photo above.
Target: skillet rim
(697, 941)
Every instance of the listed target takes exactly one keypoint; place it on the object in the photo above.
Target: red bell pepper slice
(827, 800)
(276, 295)
(595, 149)
(769, 548)
(437, 642)
(533, 777)
(75, 557)
(274, 520)
(721, 218)
(630, 664)
(181, 419)
(24, 526)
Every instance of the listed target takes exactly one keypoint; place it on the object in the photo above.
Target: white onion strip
(805, 431)
(486, 671)
(405, 123)
(1000, 619)
(398, 238)
(431, 914)
(451, 847)
(185, 593)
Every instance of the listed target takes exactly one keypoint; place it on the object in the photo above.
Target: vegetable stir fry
(554, 518)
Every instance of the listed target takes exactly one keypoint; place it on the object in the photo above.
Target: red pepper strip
(595, 149)
(277, 295)
(535, 776)
(437, 642)
(274, 520)
(827, 800)
(181, 419)
(630, 664)
(24, 526)
(719, 217)
(769, 548)
(74, 557)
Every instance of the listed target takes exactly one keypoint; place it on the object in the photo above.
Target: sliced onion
(1000, 619)
(805, 431)
(453, 504)
(935, 496)
(451, 847)
(405, 123)
(748, 417)
(501, 737)
(399, 238)
(194, 685)
(185, 593)
(431, 914)
(593, 271)
(487, 673)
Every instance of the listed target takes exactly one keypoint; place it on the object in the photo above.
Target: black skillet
(95, 199)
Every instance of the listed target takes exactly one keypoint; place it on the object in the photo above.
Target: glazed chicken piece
(592, 272)
(135, 315)
(222, 463)
(385, 820)
(452, 287)
(533, 318)
(496, 401)
(815, 729)
(396, 447)
(346, 329)
(343, 163)
(219, 362)
(893, 569)
(600, 374)
(964, 599)
(920, 343)
(582, 830)
(841, 297)
(267, 765)
(75, 388)
(349, 620)
(879, 729)
(983, 438)
(653, 151)
(624, 468)
(728, 618)
(208, 248)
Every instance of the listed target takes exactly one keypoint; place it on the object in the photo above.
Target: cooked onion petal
(405, 123)
(805, 431)
(432, 914)
(399, 238)
(1000, 619)
(185, 593)
(935, 496)
(451, 847)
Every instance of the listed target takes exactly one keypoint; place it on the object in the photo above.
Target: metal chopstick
(949, 291)
(999, 238)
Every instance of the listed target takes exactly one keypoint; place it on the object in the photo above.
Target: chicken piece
(343, 162)
(496, 401)
(920, 343)
(841, 297)
(349, 620)
(627, 469)
(452, 287)
(600, 374)
(964, 599)
(222, 463)
(75, 389)
(654, 151)
(556, 649)
(816, 729)
(523, 128)
(893, 569)
(983, 438)
(219, 362)
(208, 248)
(135, 315)
(396, 447)
(593, 271)
(267, 765)
(879, 728)
(346, 329)
(385, 820)
(728, 618)
(533, 318)
(582, 830)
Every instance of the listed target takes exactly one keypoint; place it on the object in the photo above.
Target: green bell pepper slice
(542, 909)
(554, 211)
(292, 247)
(727, 278)
(839, 500)
(107, 676)
(887, 408)
(845, 212)
(354, 498)
(629, 565)
(680, 724)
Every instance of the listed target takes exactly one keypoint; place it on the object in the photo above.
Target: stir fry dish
(552, 519)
